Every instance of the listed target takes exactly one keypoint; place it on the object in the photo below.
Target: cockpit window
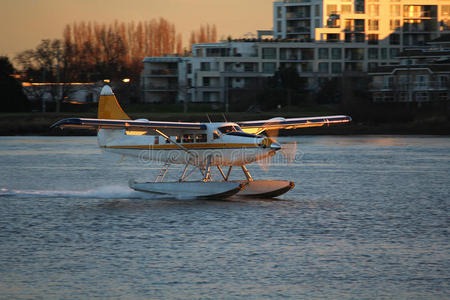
(231, 128)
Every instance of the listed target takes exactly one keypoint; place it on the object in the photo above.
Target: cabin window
(188, 138)
(200, 138)
(226, 129)
(156, 140)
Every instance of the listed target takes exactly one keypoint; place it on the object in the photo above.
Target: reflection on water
(368, 218)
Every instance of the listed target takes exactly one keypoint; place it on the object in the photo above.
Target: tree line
(91, 51)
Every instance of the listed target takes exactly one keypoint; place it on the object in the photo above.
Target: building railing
(161, 87)
(164, 72)
(417, 14)
(415, 86)
(298, 15)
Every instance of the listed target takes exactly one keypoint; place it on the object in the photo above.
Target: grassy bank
(39, 123)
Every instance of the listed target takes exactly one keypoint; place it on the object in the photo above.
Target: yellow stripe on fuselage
(187, 146)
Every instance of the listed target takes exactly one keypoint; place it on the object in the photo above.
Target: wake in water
(105, 192)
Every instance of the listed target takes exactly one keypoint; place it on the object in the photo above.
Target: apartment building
(423, 75)
(388, 23)
(320, 38)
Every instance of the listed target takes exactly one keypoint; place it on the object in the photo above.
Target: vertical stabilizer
(108, 107)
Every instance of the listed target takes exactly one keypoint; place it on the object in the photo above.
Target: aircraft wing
(126, 124)
(257, 127)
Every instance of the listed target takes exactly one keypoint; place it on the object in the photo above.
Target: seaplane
(197, 147)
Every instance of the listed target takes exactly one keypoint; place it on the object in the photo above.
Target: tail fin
(108, 107)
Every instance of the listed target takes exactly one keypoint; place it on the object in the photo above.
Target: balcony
(161, 88)
(413, 86)
(164, 73)
(291, 30)
(417, 15)
(298, 15)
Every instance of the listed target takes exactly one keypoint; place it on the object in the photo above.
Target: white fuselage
(221, 144)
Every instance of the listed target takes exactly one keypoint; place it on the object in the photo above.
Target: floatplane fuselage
(219, 144)
(197, 145)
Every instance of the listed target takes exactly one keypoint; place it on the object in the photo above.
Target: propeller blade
(289, 151)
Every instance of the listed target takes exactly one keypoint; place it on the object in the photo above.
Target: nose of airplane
(275, 146)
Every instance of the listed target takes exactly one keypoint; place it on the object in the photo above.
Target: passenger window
(215, 135)
(178, 139)
(200, 138)
(188, 138)
(167, 141)
(156, 140)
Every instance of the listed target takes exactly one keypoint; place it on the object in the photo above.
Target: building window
(317, 10)
(394, 39)
(206, 81)
(346, 9)
(394, 52)
(336, 53)
(359, 25)
(336, 68)
(348, 37)
(445, 10)
(269, 68)
(443, 96)
(443, 81)
(323, 53)
(373, 39)
(359, 6)
(422, 81)
(360, 37)
(354, 54)
(422, 97)
(353, 66)
(373, 24)
(331, 9)
(249, 67)
(199, 52)
(189, 68)
(374, 10)
(395, 10)
(269, 53)
(332, 37)
(383, 52)
(394, 24)
(280, 12)
(373, 53)
(317, 23)
(372, 65)
(205, 66)
(323, 67)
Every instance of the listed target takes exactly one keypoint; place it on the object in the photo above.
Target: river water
(368, 219)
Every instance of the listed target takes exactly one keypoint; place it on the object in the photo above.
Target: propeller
(288, 150)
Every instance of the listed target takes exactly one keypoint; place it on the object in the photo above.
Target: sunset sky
(23, 23)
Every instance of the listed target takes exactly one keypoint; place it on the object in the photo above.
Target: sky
(24, 23)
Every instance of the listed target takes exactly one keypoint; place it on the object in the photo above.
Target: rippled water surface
(368, 219)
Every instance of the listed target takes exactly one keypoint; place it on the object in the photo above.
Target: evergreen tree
(12, 97)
